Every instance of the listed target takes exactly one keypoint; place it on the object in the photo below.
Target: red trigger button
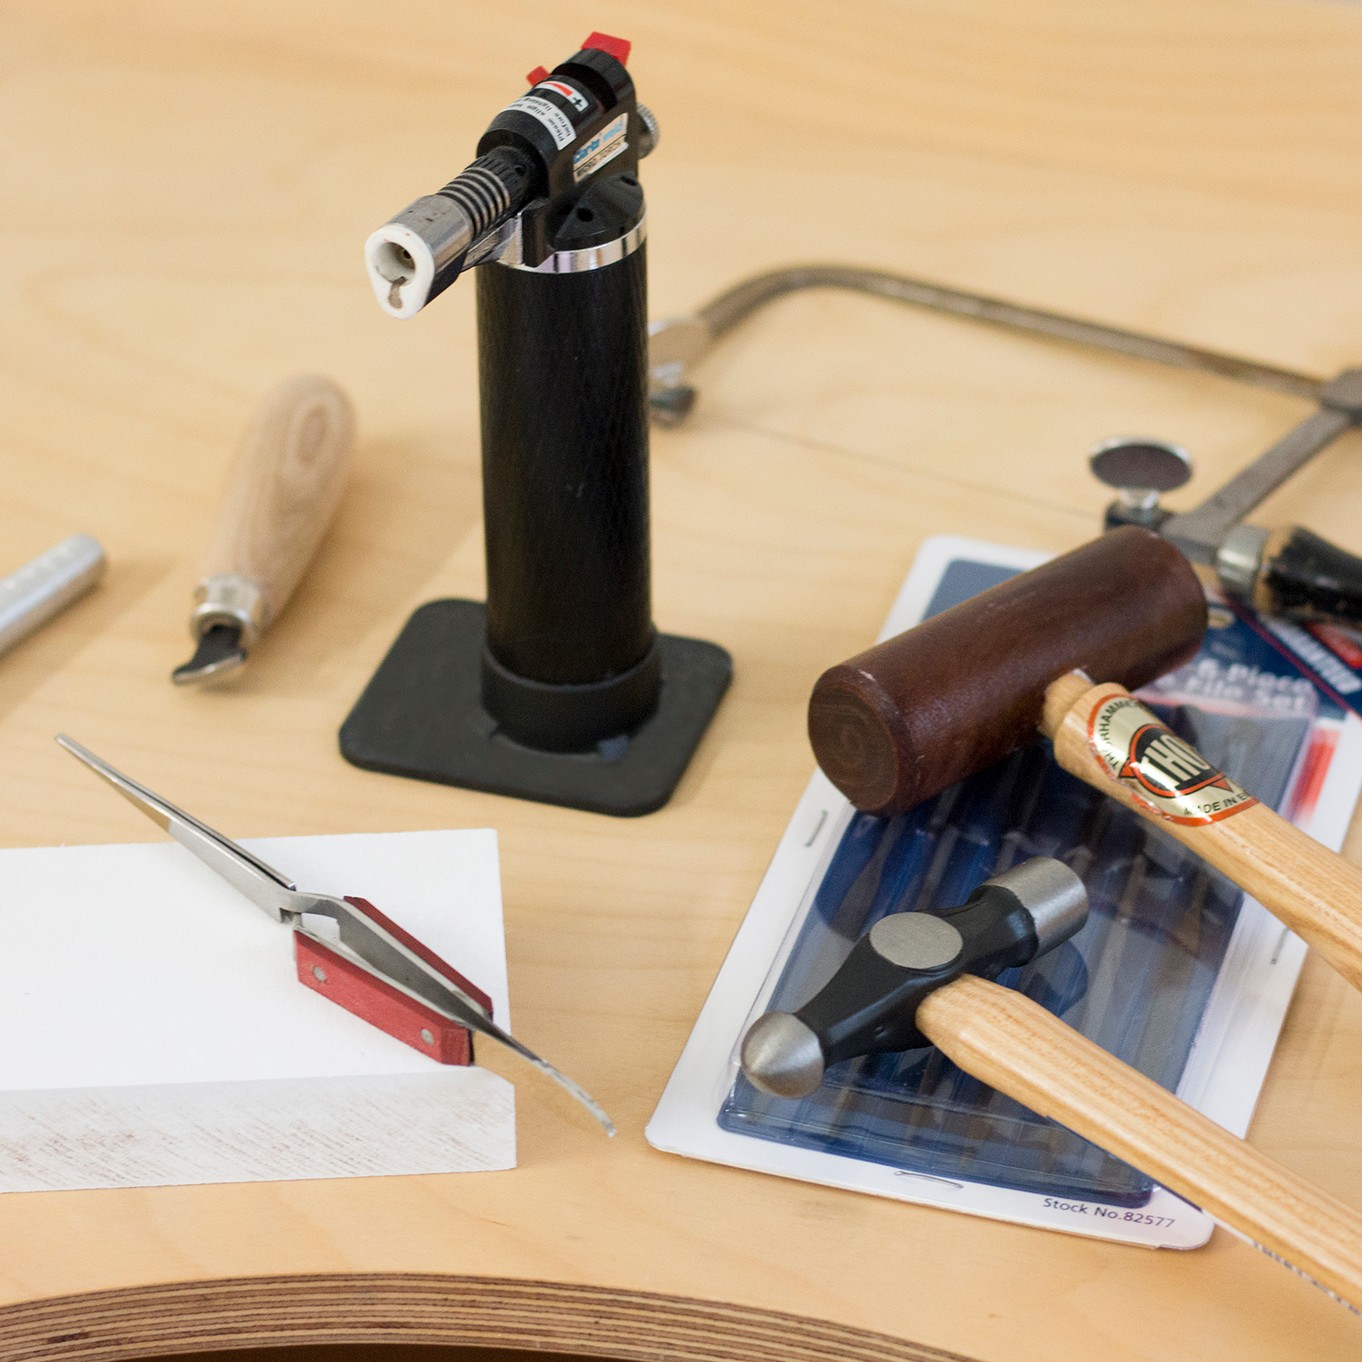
(616, 47)
(537, 75)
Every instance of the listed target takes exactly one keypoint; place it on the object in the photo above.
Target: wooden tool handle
(1012, 1043)
(284, 487)
(1313, 890)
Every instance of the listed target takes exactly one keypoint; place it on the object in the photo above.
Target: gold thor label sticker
(1162, 771)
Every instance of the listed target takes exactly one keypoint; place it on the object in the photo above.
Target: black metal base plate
(421, 716)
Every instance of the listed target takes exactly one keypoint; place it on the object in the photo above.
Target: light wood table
(184, 190)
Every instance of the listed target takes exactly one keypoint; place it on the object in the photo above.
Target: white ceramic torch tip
(401, 268)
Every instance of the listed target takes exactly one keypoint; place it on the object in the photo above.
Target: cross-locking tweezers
(345, 948)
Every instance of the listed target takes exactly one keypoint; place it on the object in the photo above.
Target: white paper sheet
(152, 1028)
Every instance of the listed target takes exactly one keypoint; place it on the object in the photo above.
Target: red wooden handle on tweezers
(380, 1004)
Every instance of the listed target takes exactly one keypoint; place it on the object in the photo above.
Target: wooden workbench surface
(184, 191)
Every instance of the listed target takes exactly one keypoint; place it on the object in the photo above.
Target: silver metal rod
(47, 585)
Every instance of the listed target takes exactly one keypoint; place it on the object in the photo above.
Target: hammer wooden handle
(1019, 1048)
(283, 488)
(1313, 890)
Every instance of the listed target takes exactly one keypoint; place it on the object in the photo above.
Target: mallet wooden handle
(283, 488)
(1010, 1042)
(1313, 890)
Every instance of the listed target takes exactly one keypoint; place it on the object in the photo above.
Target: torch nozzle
(419, 253)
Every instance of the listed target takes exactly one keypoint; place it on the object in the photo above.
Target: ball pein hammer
(925, 979)
(1053, 651)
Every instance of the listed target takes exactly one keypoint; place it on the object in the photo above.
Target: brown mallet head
(910, 717)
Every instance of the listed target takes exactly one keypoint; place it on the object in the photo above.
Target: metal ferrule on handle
(229, 598)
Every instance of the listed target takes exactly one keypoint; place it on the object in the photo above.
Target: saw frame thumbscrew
(1140, 468)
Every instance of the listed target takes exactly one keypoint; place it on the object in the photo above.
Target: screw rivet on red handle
(380, 1004)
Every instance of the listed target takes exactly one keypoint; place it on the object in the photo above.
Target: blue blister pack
(1176, 972)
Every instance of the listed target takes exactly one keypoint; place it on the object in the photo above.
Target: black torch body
(570, 657)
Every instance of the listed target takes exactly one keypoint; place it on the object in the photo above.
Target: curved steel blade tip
(219, 652)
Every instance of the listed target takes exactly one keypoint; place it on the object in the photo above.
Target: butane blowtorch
(560, 688)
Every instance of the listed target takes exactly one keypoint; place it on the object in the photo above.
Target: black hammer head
(870, 1005)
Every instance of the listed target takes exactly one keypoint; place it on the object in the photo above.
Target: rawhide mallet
(923, 978)
(904, 720)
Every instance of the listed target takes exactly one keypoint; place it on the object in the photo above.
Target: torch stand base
(422, 716)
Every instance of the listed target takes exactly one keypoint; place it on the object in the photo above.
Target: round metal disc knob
(1140, 467)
